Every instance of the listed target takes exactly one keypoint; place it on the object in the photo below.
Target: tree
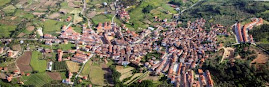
(144, 83)
(147, 9)
(176, 2)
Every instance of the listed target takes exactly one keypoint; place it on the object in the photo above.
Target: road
(84, 7)
(116, 11)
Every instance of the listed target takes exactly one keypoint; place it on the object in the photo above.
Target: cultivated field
(96, 73)
(52, 26)
(133, 77)
(36, 63)
(3, 2)
(125, 71)
(23, 62)
(54, 75)
(5, 30)
(37, 80)
(72, 66)
(59, 66)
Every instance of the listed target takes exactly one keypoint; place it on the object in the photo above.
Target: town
(88, 43)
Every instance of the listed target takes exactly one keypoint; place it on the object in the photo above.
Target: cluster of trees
(176, 2)
(151, 55)
(254, 7)
(128, 2)
(116, 76)
(147, 9)
(244, 51)
(238, 74)
(144, 83)
(261, 32)
(226, 11)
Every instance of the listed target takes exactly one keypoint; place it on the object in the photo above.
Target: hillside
(227, 12)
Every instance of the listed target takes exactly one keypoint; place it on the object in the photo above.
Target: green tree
(147, 9)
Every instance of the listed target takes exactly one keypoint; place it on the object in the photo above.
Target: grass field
(104, 18)
(138, 17)
(66, 46)
(96, 73)
(60, 46)
(226, 40)
(38, 65)
(77, 29)
(9, 9)
(72, 66)
(125, 72)
(87, 67)
(52, 26)
(37, 80)
(63, 75)
(3, 2)
(23, 14)
(5, 30)
(100, 19)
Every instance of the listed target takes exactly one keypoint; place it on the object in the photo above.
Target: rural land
(134, 43)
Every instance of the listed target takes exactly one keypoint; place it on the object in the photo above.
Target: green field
(59, 66)
(9, 9)
(96, 73)
(3, 2)
(159, 9)
(37, 80)
(63, 75)
(101, 19)
(226, 40)
(5, 30)
(23, 14)
(38, 65)
(86, 69)
(105, 18)
(52, 26)
(66, 46)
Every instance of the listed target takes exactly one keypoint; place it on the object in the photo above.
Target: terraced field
(37, 80)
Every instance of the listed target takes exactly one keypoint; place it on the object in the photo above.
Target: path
(226, 53)
(116, 11)
(140, 77)
(82, 67)
(191, 6)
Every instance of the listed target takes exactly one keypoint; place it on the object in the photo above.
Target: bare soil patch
(262, 57)
(2, 76)
(54, 75)
(21, 34)
(54, 15)
(23, 62)
(30, 28)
